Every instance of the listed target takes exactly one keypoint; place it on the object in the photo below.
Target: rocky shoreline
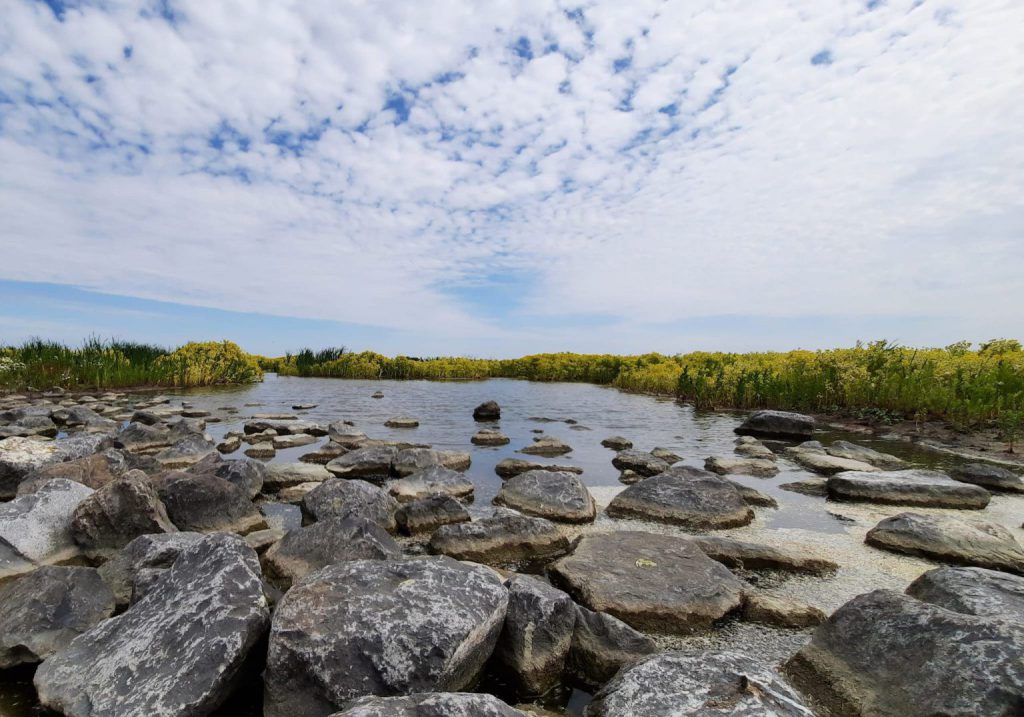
(145, 572)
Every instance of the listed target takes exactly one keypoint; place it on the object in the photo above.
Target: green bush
(210, 363)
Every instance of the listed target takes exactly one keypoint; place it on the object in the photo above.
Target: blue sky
(496, 179)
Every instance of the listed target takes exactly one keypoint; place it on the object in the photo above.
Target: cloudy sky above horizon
(499, 178)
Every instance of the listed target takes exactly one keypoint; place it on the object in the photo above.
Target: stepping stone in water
(725, 465)
(683, 496)
(777, 424)
(924, 488)
(558, 496)
(989, 476)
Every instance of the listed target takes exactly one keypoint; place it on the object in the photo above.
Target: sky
(498, 178)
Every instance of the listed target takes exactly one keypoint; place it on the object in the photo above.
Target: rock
(617, 443)
(538, 632)
(428, 514)
(754, 497)
(94, 471)
(186, 452)
(724, 465)
(263, 451)
(324, 454)
(546, 446)
(381, 627)
(262, 540)
(666, 455)
(750, 447)
(651, 581)
(487, 411)
(754, 556)
(645, 464)
(282, 515)
(47, 609)
(229, 444)
(377, 394)
(434, 480)
(923, 488)
(21, 456)
(601, 646)
(295, 494)
(780, 612)
(84, 418)
(814, 458)
(36, 528)
(293, 441)
(817, 487)
(402, 422)
(324, 543)
(205, 503)
(869, 658)
(951, 540)
(431, 704)
(117, 513)
(264, 439)
(777, 424)
(630, 477)
(177, 651)
(684, 496)
(282, 426)
(704, 684)
(244, 473)
(505, 540)
(278, 476)
(148, 418)
(489, 437)
(280, 417)
(147, 552)
(304, 406)
(372, 464)
(989, 476)
(509, 467)
(140, 437)
(345, 435)
(851, 451)
(351, 499)
(412, 460)
(553, 495)
(972, 591)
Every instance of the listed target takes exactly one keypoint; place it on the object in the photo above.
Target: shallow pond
(444, 410)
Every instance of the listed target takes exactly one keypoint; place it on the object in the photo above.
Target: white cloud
(651, 162)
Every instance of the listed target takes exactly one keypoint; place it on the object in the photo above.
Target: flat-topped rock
(205, 503)
(777, 424)
(884, 653)
(426, 515)
(282, 426)
(750, 447)
(706, 684)
(546, 446)
(262, 451)
(345, 434)
(812, 456)
(617, 443)
(989, 476)
(284, 475)
(651, 581)
(433, 480)
(402, 422)
(923, 488)
(726, 465)
(413, 460)
(780, 612)
(754, 497)
(683, 496)
(489, 437)
(972, 591)
(36, 528)
(558, 496)
(640, 462)
(505, 540)
(178, 651)
(140, 437)
(324, 454)
(116, 514)
(431, 704)
(508, 467)
(601, 645)
(337, 498)
(282, 443)
(755, 556)
(845, 449)
(373, 464)
(381, 627)
(951, 540)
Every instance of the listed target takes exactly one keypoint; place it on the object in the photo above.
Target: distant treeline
(876, 380)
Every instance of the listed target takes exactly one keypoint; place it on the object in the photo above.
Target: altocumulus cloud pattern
(486, 171)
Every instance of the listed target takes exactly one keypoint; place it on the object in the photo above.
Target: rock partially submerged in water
(813, 456)
(617, 443)
(345, 434)
(428, 514)
(726, 465)
(487, 411)
(948, 539)
(682, 684)
(177, 651)
(640, 462)
(381, 627)
(750, 447)
(433, 480)
(650, 581)
(777, 424)
(402, 422)
(505, 540)
(35, 529)
(431, 704)
(884, 653)
(989, 476)
(851, 451)
(558, 496)
(683, 496)
(972, 591)
(546, 446)
(923, 488)
(117, 513)
(44, 611)
(601, 646)
(509, 467)
(337, 498)
(489, 437)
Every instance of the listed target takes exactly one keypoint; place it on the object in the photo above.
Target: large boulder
(303, 550)
(381, 627)
(187, 451)
(922, 488)
(155, 552)
(36, 529)
(45, 610)
(509, 467)
(178, 651)
(777, 424)
(972, 591)
(431, 704)
(249, 475)
(428, 514)
(559, 496)
(703, 684)
(20, 456)
(505, 540)
(433, 480)
(205, 503)
(487, 411)
(989, 476)
(601, 646)
(336, 498)
(950, 540)
(372, 464)
(884, 653)
(640, 462)
(117, 513)
(538, 632)
(651, 581)
(683, 496)
(94, 471)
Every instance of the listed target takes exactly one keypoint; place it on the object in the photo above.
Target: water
(444, 410)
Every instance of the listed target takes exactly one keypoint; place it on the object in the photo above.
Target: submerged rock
(324, 454)
(883, 653)
(546, 446)
(650, 581)
(951, 540)
(505, 540)
(336, 498)
(509, 467)
(601, 646)
(558, 496)
(36, 528)
(681, 684)
(177, 651)
(44, 611)
(431, 704)
(381, 627)
(777, 424)
(428, 514)
(487, 411)
(433, 480)
(972, 591)
(989, 476)
(750, 447)
(640, 462)
(683, 496)
(924, 488)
